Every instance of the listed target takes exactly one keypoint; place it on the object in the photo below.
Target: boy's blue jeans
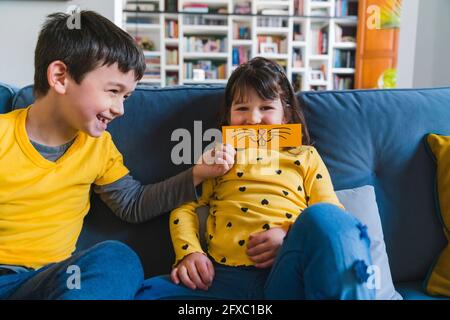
(324, 256)
(109, 270)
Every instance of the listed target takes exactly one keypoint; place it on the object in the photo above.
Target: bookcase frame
(308, 21)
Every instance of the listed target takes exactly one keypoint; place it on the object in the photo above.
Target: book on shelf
(171, 79)
(211, 70)
(213, 44)
(297, 58)
(204, 8)
(153, 68)
(297, 82)
(136, 6)
(298, 32)
(171, 56)
(299, 6)
(345, 8)
(344, 58)
(319, 40)
(171, 28)
(272, 44)
(196, 7)
(241, 31)
(272, 22)
(240, 55)
(318, 88)
(131, 18)
(204, 20)
(343, 82)
(171, 5)
(345, 34)
(243, 7)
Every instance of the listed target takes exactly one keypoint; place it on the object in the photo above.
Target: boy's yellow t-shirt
(264, 189)
(43, 203)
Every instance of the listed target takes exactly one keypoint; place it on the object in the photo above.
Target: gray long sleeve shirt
(131, 201)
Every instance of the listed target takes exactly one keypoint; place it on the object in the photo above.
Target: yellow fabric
(439, 280)
(265, 188)
(43, 203)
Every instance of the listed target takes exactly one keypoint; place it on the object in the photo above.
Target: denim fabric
(324, 256)
(109, 270)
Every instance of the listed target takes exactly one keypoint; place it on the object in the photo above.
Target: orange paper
(263, 136)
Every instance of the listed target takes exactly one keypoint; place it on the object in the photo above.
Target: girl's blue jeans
(324, 256)
(109, 270)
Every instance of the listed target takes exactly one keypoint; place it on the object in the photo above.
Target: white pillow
(361, 202)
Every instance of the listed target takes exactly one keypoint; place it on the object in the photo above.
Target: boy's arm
(136, 203)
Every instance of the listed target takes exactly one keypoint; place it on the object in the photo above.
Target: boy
(52, 152)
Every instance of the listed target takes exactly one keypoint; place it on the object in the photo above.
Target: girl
(269, 236)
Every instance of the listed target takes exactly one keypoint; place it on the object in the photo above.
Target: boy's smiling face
(98, 99)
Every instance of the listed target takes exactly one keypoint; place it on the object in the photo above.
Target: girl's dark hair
(270, 82)
(95, 42)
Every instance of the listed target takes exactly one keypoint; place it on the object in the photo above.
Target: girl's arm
(192, 267)
(317, 181)
(184, 225)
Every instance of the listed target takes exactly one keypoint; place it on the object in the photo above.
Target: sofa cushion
(361, 202)
(23, 98)
(6, 97)
(438, 282)
(413, 290)
(374, 137)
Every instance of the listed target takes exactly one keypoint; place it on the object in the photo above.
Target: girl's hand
(263, 246)
(214, 163)
(194, 271)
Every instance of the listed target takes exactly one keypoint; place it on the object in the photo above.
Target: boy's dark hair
(269, 81)
(96, 43)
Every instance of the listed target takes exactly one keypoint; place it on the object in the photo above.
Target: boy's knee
(117, 258)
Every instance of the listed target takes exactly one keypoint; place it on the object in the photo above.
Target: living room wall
(20, 22)
(424, 46)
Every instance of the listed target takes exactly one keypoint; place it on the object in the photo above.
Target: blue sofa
(365, 137)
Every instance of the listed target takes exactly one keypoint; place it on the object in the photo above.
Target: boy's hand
(214, 163)
(263, 246)
(194, 271)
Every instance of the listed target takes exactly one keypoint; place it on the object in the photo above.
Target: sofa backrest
(6, 97)
(365, 137)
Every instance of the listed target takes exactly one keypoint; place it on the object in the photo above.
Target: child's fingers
(256, 238)
(203, 272)
(220, 155)
(184, 277)
(263, 257)
(211, 270)
(228, 148)
(224, 164)
(195, 277)
(266, 264)
(174, 276)
(259, 249)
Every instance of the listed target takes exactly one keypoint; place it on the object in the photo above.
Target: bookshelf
(203, 41)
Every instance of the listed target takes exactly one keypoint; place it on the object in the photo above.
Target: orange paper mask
(263, 136)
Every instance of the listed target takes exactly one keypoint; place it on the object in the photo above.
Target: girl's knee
(327, 221)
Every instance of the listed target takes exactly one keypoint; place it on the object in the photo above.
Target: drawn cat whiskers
(263, 136)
